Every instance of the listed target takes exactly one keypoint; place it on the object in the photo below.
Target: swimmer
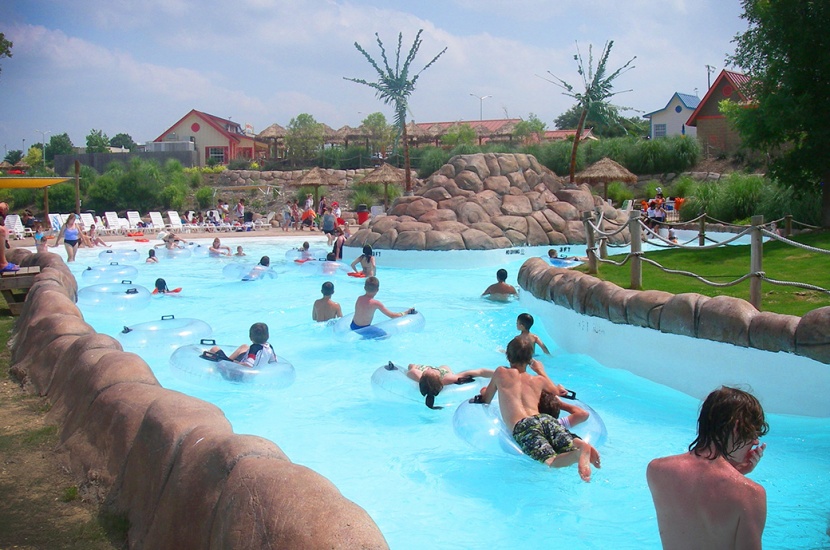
(523, 324)
(539, 435)
(431, 380)
(151, 257)
(554, 255)
(500, 291)
(218, 249)
(365, 307)
(305, 253)
(702, 497)
(239, 251)
(366, 261)
(258, 270)
(672, 236)
(161, 287)
(325, 308)
(256, 354)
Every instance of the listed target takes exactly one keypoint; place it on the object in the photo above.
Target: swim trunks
(368, 332)
(442, 371)
(541, 436)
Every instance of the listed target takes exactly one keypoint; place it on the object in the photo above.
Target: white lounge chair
(176, 222)
(56, 222)
(158, 221)
(134, 218)
(114, 223)
(87, 221)
(15, 226)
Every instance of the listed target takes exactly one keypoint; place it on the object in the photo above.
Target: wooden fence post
(590, 238)
(636, 248)
(756, 261)
(788, 225)
(701, 232)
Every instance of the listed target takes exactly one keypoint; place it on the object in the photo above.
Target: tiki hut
(316, 177)
(605, 171)
(385, 174)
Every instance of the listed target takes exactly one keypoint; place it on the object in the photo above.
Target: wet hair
(430, 387)
(265, 261)
(328, 288)
(526, 320)
(161, 285)
(258, 333)
(552, 253)
(728, 412)
(549, 404)
(152, 253)
(372, 284)
(367, 251)
(519, 351)
(501, 275)
(305, 245)
(330, 257)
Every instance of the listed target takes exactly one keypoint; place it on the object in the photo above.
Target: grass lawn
(781, 262)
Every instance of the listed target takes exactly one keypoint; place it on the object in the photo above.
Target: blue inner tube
(114, 297)
(394, 385)
(381, 329)
(119, 255)
(110, 273)
(481, 426)
(169, 331)
(187, 362)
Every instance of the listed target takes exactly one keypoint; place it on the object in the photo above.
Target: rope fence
(639, 231)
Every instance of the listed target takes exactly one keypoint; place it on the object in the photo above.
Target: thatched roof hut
(605, 171)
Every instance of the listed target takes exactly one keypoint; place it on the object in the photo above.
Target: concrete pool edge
(687, 342)
(169, 462)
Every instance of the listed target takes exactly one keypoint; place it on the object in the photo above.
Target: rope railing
(757, 231)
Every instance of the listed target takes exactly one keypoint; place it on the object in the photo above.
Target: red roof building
(715, 133)
(214, 138)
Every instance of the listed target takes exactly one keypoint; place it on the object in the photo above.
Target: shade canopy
(605, 171)
(5, 165)
(385, 173)
(315, 178)
(29, 183)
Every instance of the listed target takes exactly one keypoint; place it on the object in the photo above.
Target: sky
(123, 66)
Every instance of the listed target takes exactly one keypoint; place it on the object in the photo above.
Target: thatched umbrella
(5, 165)
(385, 174)
(315, 178)
(604, 171)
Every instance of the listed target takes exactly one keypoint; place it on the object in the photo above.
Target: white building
(671, 119)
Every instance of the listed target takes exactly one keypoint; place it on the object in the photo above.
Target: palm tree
(598, 86)
(394, 87)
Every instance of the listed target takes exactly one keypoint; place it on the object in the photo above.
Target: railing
(757, 230)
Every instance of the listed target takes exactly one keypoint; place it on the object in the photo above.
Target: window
(659, 130)
(217, 154)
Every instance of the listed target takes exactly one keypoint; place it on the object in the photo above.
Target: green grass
(781, 262)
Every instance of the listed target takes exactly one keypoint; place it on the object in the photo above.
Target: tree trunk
(825, 200)
(407, 170)
(576, 142)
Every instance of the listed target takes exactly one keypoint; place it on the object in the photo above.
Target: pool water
(401, 462)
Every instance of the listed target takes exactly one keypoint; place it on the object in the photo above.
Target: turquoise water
(402, 462)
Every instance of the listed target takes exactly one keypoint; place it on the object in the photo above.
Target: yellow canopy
(29, 183)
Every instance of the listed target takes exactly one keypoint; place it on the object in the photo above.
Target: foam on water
(402, 462)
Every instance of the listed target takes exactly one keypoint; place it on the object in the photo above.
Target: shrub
(682, 187)
(431, 159)
(173, 196)
(361, 196)
(619, 193)
(204, 197)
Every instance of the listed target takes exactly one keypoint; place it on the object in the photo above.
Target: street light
(481, 99)
(43, 143)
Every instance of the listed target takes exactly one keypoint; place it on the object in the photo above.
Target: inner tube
(384, 328)
(168, 332)
(119, 255)
(198, 249)
(174, 291)
(173, 253)
(481, 426)
(247, 272)
(564, 262)
(357, 274)
(111, 273)
(326, 269)
(187, 361)
(390, 382)
(312, 254)
(114, 297)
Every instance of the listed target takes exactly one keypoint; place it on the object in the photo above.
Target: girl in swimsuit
(71, 236)
(431, 380)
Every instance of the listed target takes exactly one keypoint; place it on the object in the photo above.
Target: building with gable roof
(214, 138)
(715, 133)
(671, 119)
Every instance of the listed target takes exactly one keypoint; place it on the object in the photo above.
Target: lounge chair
(114, 223)
(176, 222)
(158, 222)
(136, 223)
(15, 226)
(56, 222)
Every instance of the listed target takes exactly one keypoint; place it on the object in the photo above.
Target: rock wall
(283, 177)
(486, 201)
(722, 318)
(167, 461)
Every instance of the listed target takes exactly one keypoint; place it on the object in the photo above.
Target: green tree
(380, 132)
(5, 47)
(14, 156)
(123, 140)
(304, 138)
(610, 126)
(97, 142)
(789, 80)
(459, 134)
(35, 156)
(59, 144)
(530, 130)
(598, 86)
(394, 87)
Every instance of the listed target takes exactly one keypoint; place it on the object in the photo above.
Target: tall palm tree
(395, 86)
(598, 89)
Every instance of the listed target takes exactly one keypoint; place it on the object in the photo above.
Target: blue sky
(137, 67)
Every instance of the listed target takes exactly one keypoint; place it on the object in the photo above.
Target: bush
(204, 197)
(682, 187)
(361, 196)
(239, 164)
(430, 161)
(619, 193)
(173, 196)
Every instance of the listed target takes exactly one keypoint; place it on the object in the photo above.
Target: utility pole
(709, 70)
(43, 143)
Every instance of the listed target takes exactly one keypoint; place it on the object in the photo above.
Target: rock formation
(486, 201)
